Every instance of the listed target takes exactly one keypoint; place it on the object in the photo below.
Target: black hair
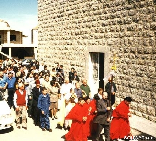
(80, 98)
(44, 88)
(86, 98)
(96, 97)
(52, 83)
(129, 99)
(100, 89)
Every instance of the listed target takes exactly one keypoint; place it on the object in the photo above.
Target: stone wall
(68, 28)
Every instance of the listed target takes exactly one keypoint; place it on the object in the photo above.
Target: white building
(12, 43)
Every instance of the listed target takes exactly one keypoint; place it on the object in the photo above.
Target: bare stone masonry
(68, 28)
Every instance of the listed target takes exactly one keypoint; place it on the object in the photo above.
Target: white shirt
(41, 68)
(67, 96)
(65, 88)
(100, 96)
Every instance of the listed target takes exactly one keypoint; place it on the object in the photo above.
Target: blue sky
(20, 14)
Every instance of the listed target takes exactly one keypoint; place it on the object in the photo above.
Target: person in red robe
(78, 115)
(120, 128)
(91, 106)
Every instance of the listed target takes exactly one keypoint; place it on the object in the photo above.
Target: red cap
(37, 81)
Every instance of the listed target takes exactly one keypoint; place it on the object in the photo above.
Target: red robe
(77, 130)
(90, 117)
(120, 127)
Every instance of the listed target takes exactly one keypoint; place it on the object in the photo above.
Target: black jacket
(108, 87)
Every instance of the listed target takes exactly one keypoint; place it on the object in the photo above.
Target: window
(12, 37)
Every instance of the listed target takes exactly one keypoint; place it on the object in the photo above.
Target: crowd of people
(48, 94)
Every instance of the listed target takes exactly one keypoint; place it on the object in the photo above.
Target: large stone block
(152, 118)
(142, 108)
(138, 113)
(134, 106)
(151, 110)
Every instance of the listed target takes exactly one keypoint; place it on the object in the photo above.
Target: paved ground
(35, 133)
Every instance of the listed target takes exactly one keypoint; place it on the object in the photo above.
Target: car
(26, 62)
(6, 119)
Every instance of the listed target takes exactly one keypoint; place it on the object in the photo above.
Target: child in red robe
(120, 128)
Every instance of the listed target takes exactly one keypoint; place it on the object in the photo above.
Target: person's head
(30, 75)
(96, 97)
(21, 86)
(105, 95)
(81, 101)
(87, 99)
(77, 85)
(57, 64)
(72, 99)
(128, 100)
(42, 63)
(72, 70)
(19, 79)
(52, 83)
(5, 69)
(37, 82)
(100, 91)
(84, 82)
(53, 69)
(46, 77)
(110, 79)
(10, 74)
(45, 67)
(1, 74)
(61, 66)
(34, 67)
(41, 74)
(44, 91)
(10, 68)
(71, 90)
(66, 80)
(36, 76)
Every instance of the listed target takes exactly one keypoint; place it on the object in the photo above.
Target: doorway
(96, 71)
(101, 70)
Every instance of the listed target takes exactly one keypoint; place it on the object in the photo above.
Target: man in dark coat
(103, 117)
(36, 91)
(110, 88)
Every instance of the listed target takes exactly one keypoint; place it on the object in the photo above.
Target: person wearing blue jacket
(43, 105)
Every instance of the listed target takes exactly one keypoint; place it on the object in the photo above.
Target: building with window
(12, 43)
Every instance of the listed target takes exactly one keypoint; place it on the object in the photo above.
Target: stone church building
(94, 35)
